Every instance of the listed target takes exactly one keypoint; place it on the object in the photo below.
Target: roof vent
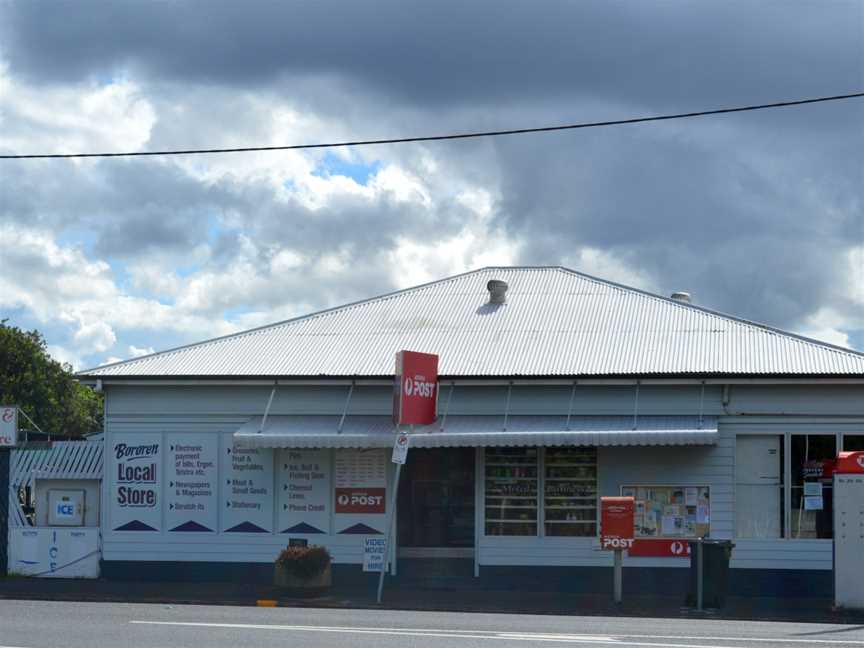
(683, 297)
(497, 291)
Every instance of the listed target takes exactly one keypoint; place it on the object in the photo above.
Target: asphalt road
(39, 624)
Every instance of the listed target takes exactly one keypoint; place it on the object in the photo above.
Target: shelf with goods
(511, 491)
(570, 492)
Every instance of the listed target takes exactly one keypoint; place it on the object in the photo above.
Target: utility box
(849, 530)
(66, 507)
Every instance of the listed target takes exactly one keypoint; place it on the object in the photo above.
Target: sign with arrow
(247, 488)
(304, 490)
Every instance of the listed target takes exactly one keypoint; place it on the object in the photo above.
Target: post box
(617, 526)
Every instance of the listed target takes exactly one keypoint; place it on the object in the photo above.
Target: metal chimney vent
(497, 291)
(683, 297)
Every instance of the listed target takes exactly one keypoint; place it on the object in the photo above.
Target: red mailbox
(617, 526)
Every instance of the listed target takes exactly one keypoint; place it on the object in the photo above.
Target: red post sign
(617, 528)
(850, 463)
(415, 395)
(660, 548)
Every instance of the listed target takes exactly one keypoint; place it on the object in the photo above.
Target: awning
(479, 431)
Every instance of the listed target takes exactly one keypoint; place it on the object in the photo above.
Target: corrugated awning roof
(478, 431)
(556, 322)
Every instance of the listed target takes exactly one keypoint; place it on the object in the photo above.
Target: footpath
(514, 602)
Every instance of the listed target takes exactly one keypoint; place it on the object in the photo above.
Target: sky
(760, 215)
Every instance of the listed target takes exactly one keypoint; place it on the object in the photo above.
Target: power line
(438, 138)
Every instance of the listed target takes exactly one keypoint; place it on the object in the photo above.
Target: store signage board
(400, 449)
(374, 550)
(304, 490)
(617, 527)
(8, 426)
(135, 482)
(415, 388)
(246, 480)
(191, 496)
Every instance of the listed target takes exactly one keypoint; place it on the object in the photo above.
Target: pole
(700, 568)
(391, 518)
(618, 575)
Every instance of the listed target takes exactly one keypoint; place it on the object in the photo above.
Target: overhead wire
(439, 138)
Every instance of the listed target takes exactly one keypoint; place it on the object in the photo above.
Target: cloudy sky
(758, 214)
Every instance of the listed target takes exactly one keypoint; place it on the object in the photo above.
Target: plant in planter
(303, 568)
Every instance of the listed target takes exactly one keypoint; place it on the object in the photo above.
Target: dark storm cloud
(752, 224)
(754, 214)
(453, 52)
(129, 207)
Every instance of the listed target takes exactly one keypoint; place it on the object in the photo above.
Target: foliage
(304, 562)
(44, 388)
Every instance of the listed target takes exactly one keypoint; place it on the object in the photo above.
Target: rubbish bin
(715, 572)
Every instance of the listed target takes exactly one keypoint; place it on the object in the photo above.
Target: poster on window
(134, 481)
(191, 496)
(304, 490)
(360, 488)
(247, 488)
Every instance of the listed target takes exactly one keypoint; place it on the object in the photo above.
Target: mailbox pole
(618, 585)
(617, 528)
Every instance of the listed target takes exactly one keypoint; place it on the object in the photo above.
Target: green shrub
(304, 562)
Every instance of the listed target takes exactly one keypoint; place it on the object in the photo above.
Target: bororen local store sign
(415, 394)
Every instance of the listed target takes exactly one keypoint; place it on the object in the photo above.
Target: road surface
(39, 624)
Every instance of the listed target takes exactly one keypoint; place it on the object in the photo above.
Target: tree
(44, 388)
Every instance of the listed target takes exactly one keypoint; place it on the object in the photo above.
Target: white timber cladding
(157, 411)
(556, 322)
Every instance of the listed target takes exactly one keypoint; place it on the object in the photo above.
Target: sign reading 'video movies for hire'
(134, 482)
(191, 474)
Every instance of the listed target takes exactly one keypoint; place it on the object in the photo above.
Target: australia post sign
(415, 391)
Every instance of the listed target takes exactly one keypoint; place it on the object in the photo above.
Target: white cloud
(94, 337)
(72, 118)
(136, 352)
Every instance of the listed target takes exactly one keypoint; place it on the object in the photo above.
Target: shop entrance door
(436, 502)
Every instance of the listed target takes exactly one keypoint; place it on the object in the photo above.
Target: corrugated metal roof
(556, 322)
(478, 431)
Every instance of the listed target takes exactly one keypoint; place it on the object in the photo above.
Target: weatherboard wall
(158, 413)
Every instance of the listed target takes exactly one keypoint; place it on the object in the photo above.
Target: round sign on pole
(400, 448)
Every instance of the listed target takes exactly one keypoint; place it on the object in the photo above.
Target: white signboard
(400, 449)
(374, 550)
(191, 473)
(247, 488)
(8, 426)
(304, 491)
(54, 553)
(360, 488)
(134, 481)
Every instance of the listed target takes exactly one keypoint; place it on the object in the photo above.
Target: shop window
(812, 511)
(511, 489)
(671, 511)
(759, 486)
(853, 442)
(570, 491)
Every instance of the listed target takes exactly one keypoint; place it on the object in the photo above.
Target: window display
(570, 491)
(511, 491)
(812, 510)
(671, 511)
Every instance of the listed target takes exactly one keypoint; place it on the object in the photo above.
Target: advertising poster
(304, 490)
(247, 488)
(360, 480)
(134, 481)
(191, 472)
